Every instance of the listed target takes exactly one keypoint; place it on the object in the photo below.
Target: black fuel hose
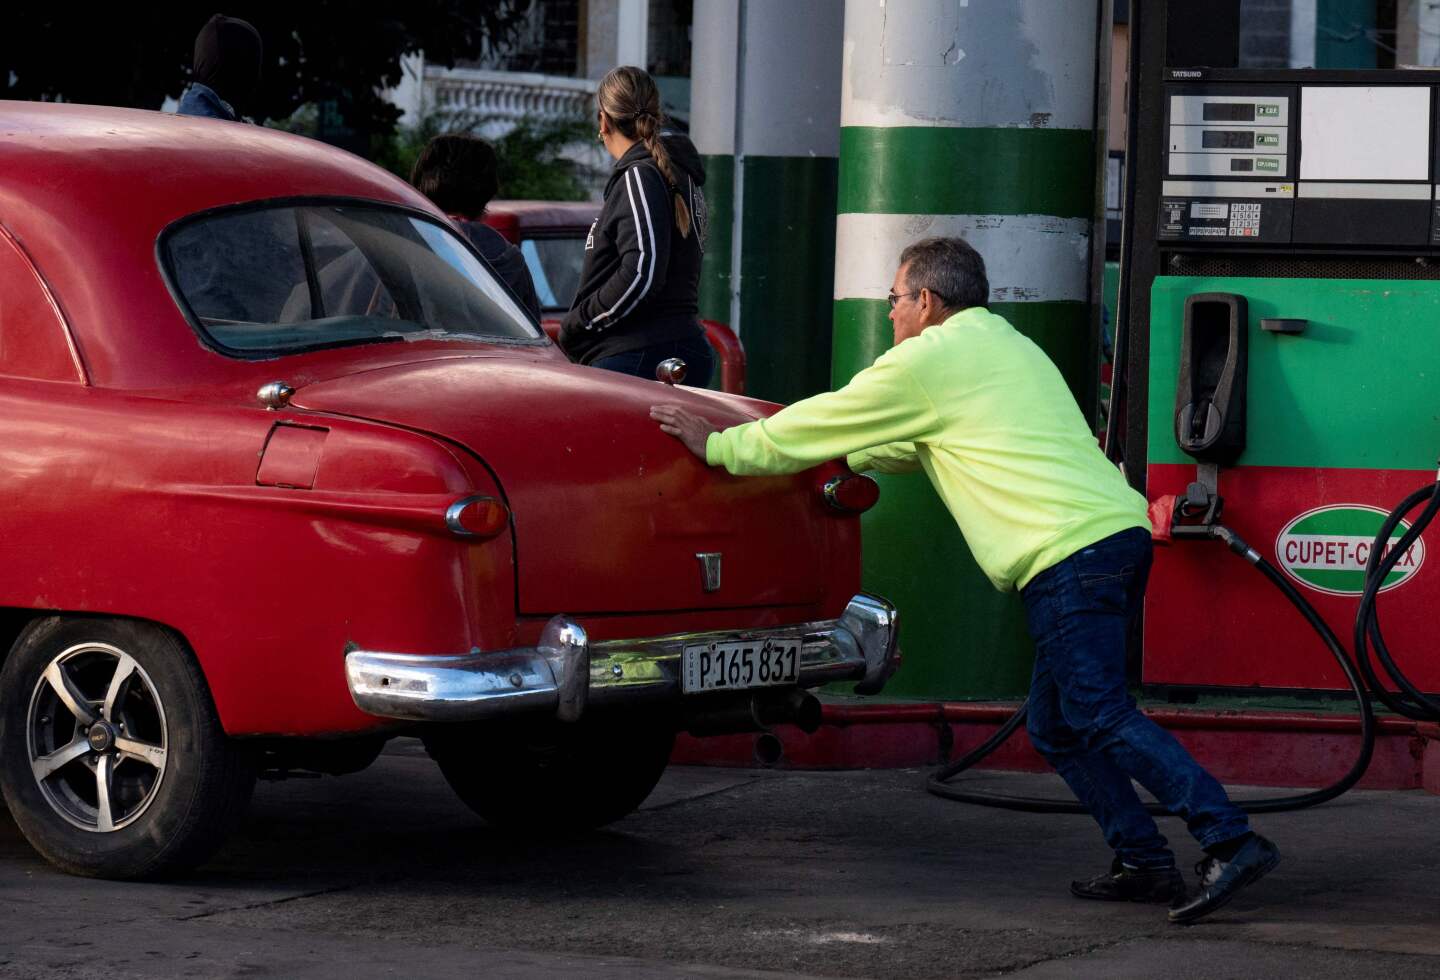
(938, 782)
(1410, 702)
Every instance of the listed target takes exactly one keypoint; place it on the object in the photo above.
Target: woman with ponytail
(639, 289)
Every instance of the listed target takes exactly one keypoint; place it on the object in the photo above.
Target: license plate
(738, 664)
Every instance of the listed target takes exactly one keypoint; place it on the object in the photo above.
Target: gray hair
(950, 269)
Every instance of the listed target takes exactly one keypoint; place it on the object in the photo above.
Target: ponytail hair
(628, 96)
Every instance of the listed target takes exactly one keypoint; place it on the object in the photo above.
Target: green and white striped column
(765, 114)
(969, 118)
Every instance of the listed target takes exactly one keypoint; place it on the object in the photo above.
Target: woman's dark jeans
(694, 351)
(1083, 719)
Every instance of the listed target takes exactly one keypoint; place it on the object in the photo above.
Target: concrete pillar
(765, 113)
(617, 32)
(1417, 33)
(974, 119)
(1303, 15)
(714, 79)
(633, 36)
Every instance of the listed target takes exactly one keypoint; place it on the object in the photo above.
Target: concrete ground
(723, 873)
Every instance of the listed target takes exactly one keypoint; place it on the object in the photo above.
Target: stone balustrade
(498, 96)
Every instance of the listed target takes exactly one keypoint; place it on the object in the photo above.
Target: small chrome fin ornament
(275, 394)
(709, 569)
(671, 371)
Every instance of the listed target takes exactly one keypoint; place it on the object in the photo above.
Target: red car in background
(287, 472)
(551, 235)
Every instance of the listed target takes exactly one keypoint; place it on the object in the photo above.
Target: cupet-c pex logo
(1326, 549)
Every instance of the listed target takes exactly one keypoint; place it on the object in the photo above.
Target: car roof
(87, 190)
(178, 163)
(541, 215)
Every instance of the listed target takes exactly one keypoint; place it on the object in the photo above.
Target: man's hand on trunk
(689, 428)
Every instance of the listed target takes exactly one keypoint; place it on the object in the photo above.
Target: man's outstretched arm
(895, 457)
(881, 405)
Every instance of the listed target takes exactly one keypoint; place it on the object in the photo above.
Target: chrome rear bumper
(565, 673)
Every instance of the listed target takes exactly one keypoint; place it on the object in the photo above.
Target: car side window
(33, 340)
(242, 267)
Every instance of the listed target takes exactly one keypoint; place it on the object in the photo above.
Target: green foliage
(530, 154)
(531, 167)
(397, 151)
(331, 53)
(304, 121)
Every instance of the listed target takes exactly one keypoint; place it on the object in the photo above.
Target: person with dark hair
(226, 69)
(640, 285)
(459, 173)
(987, 416)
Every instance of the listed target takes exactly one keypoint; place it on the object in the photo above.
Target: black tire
(161, 812)
(551, 776)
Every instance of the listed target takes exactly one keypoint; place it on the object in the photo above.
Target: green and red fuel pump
(1278, 369)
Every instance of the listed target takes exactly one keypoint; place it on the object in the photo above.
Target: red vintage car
(286, 472)
(551, 236)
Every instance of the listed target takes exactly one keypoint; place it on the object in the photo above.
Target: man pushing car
(986, 415)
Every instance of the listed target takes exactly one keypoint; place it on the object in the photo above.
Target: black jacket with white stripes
(641, 280)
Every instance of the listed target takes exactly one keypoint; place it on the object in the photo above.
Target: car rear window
(261, 281)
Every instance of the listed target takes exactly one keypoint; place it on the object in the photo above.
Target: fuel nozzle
(1198, 511)
(1200, 502)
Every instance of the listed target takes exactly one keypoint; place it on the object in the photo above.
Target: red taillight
(477, 517)
(851, 493)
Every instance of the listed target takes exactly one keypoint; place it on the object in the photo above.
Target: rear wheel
(552, 776)
(112, 759)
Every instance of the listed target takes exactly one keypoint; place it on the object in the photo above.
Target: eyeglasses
(897, 297)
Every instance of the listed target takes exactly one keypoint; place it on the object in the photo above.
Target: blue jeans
(1085, 723)
(694, 351)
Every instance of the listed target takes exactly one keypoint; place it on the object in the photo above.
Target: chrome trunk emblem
(709, 569)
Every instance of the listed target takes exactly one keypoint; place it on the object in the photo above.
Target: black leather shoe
(1122, 884)
(1221, 881)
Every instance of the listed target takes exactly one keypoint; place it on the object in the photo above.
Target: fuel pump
(1291, 278)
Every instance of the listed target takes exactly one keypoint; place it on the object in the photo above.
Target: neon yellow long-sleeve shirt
(987, 416)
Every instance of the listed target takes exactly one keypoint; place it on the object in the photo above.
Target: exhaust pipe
(799, 708)
(755, 712)
(768, 749)
(724, 715)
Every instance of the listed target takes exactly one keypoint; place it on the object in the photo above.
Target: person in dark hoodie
(460, 175)
(639, 287)
(226, 69)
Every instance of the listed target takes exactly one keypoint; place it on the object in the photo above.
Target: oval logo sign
(1326, 549)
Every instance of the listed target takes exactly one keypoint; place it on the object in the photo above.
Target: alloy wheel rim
(97, 737)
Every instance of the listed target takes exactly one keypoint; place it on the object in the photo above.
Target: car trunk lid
(611, 514)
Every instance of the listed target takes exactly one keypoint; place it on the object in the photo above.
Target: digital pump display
(1332, 162)
(1228, 139)
(1228, 112)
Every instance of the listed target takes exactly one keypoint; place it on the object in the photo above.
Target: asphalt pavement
(723, 873)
